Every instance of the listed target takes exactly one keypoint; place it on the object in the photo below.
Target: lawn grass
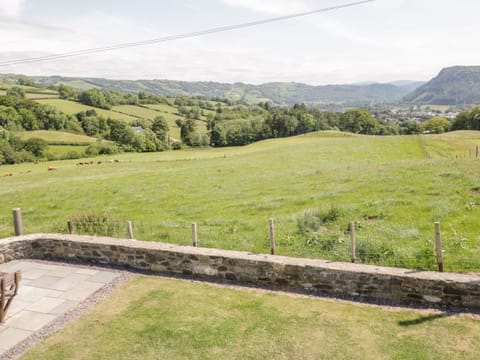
(384, 184)
(72, 108)
(158, 318)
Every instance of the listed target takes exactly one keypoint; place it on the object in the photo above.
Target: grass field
(155, 318)
(151, 113)
(57, 137)
(387, 185)
(137, 111)
(34, 96)
(169, 109)
(72, 108)
(30, 92)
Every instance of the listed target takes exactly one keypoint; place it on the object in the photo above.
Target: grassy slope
(384, 183)
(71, 107)
(170, 114)
(57, 137)
(155, 318)
(60, 143)
(152, 113)
(136, 111)
(33, 96)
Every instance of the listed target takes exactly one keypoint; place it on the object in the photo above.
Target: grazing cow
(52, 168)
(28, 171)
(98, 163)
(7, 174)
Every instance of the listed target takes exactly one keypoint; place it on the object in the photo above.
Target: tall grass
(384, 184)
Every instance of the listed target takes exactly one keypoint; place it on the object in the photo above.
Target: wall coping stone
(322, 277)
(471, 278)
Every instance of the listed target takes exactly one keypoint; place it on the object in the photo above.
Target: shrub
(102, 148)
(311, 221)
(372, 252)
(98, 224)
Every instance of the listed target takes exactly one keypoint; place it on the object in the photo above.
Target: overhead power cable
(179, 36)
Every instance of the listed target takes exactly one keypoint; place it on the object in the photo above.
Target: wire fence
(333, 245)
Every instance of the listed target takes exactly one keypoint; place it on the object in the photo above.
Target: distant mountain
(455, 85)
(408, 85)
(281, 93)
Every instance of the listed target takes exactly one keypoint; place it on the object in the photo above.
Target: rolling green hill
(281, 93)
(455, 85)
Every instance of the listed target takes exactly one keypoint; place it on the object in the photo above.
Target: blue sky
(380, 41)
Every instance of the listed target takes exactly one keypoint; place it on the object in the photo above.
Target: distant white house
(137, 129)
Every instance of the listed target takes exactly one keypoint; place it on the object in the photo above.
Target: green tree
(187, 130)
(67, 92)
(26, 82)
(160, 128)
(436, 125)
(28, 119)
(122, 133)
(467, 120)
(16, 91)
(359, 121)
(94, 97)
(36, 146)
(9, 118)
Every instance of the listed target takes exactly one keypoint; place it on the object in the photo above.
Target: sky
(381, 41)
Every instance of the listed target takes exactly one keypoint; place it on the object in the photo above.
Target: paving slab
(47, 291)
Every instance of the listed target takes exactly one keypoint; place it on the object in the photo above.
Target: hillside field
(72, 108)
(394, 188)
(57, 137)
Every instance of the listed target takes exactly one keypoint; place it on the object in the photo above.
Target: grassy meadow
(60, 144)
(393, 188)
(156, 318)
(151, 112)
(57, 137)
(72, 108)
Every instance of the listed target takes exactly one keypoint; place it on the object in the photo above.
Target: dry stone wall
(363, 282)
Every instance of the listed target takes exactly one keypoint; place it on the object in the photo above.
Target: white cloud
(11, 8)
(273, 7)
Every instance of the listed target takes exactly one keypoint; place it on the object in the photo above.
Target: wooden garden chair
(8, 290)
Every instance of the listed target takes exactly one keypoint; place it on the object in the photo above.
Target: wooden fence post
(272, 236)
(438, 247)
(70, 227)
(194, 235)
(130, 230)
(17, 221)
(352, 241)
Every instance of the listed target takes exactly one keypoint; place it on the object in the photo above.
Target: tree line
(228, 122)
